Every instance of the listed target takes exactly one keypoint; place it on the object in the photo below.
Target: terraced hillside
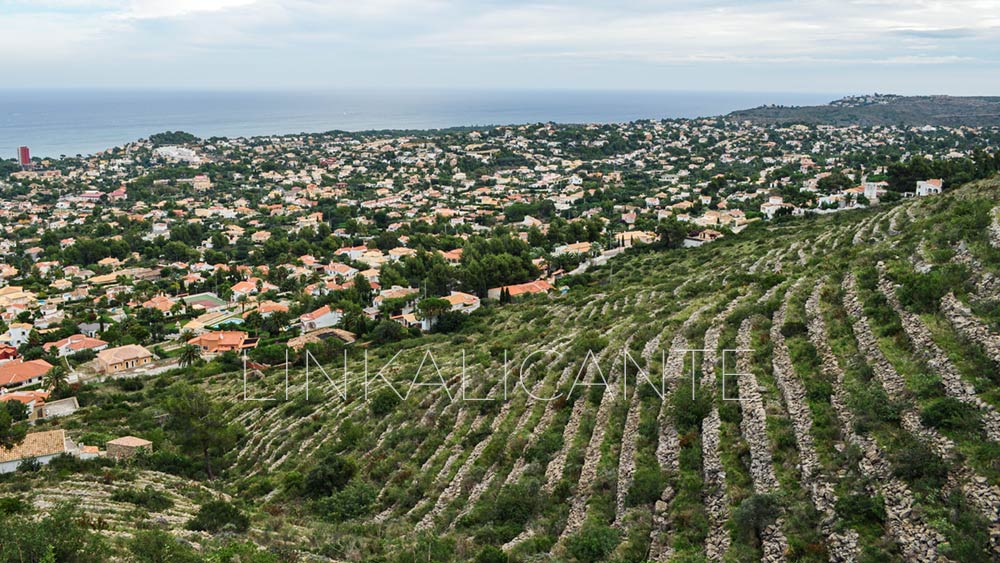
(859, 420)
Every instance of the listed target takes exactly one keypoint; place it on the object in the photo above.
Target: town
(174, 250)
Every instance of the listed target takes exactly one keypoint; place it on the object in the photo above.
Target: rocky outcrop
(966, 323)
(592, 456)
(716, 499)
(995, 227)
(754, 429)
(843, 547)
(630, 434)
(954, 385)
(975, 488)
(918, 541)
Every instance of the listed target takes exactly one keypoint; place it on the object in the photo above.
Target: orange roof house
(76, 343)
(220, 341)
(122, 358)
(530, 288)
(17, 373)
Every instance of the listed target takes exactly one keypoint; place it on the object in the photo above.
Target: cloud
(373, 42)
(155, 9)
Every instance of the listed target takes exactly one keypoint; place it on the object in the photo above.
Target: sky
(912, 47)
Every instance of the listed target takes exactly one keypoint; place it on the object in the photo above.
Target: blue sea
(70, 122)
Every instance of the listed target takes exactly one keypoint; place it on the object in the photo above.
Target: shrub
(491, 554)
(129, 384)
(915, 463)
(592, 543)
(13, 505)
(859, 510)
(148, 498)
(948, 413)
(218, 515)
(353, 501)
(754, 514)
(689, 409)
(157, 546)
(383, 402)
(331, 474)
(647, 485)
(60, 536)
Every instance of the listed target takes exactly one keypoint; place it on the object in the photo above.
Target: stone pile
(917, 540)
(630, 434)
(716, 499)
(954, 385)
(754, 429)
(843, 547)
(969, 326)
(588, 474)
(975, 488)
(543, 423)
(995, 227)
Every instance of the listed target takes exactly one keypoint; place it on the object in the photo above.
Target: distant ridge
(883, 109)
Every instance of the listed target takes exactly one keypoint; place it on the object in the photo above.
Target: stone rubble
(995, 227)
(966, 323)
(668, 446)
(754, 429)
(955, 386)
(843, 547)
(455, 485)
(588, 474)
(630, 436)
(975, 488)
(543, 423)
(716, 499)
(915, 537)
(554, 470)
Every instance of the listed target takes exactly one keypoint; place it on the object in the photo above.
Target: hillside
(951, 111)
(867, 426)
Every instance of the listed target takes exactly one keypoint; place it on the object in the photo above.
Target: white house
(17, 334)
(42, 447)
(929, 187)
(460, 302)
(323, 317)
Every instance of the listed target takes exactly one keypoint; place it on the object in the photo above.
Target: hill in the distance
(954, 111)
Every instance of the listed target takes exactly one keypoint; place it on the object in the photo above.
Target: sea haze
(57, 122)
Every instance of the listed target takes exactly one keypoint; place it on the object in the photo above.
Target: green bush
(354, 500)
(916, 464)
(753, 515)
(647, 485)
(490, 554)
(60, 536)
(593, 542)
(861, 509)
(157, 546)
(331, 474)
(948, 413)
(148, 498)
(13, 505)
(218, 515)
(383, 402)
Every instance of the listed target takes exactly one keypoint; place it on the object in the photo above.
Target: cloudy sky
(918, 46)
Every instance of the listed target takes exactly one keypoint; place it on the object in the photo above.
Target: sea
(71, 122)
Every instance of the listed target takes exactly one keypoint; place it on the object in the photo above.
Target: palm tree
(56, 379)
(189, 356)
